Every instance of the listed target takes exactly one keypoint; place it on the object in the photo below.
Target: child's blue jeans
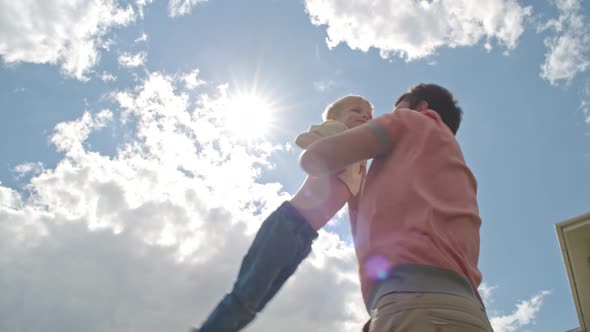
(282, 242)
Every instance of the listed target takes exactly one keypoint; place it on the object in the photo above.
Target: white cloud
(142, 38)
(140, 4)
(132, 60)
(70, 136)
(67, 33)
(107, 77)
(416, 29)
(181, 7)
(486, 291)
(150, 238)
(569, 48)
(28, 168)
(192, 80)
(524, 315)
(9, 198)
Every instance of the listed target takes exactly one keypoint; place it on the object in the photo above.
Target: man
(416, 222)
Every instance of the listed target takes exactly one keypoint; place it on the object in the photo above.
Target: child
(284, 238)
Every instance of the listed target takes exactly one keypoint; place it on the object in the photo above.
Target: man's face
(354, 115)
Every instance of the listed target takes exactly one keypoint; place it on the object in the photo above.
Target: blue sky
(120, 176)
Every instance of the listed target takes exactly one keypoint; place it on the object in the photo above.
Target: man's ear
(422, 106)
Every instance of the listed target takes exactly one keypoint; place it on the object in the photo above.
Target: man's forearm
(324, 157)
(305, 139)
(331, 154)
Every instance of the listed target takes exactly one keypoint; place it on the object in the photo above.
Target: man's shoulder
(408, 118)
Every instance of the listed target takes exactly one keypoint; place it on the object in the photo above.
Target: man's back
(419, 202)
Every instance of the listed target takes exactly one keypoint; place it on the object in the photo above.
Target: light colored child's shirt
(352, 175)
(328, 128)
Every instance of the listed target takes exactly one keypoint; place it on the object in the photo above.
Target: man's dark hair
(439, 100)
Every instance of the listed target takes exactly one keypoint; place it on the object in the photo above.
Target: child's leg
(282, 242)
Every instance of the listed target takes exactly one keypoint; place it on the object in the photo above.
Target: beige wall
(574, 239)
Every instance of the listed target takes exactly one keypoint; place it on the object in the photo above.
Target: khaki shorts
(427, 312)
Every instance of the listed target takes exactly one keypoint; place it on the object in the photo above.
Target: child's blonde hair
(334, 108)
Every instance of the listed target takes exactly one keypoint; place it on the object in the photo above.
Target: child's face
(354, 115)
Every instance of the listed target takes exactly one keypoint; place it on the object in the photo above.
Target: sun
(248, 116)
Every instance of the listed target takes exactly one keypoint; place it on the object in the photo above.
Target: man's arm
(333, 153)
(327, 128)
(305, 139)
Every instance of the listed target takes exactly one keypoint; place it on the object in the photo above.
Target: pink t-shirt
(418, 204)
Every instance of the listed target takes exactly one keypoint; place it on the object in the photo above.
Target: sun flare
(248, 116)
